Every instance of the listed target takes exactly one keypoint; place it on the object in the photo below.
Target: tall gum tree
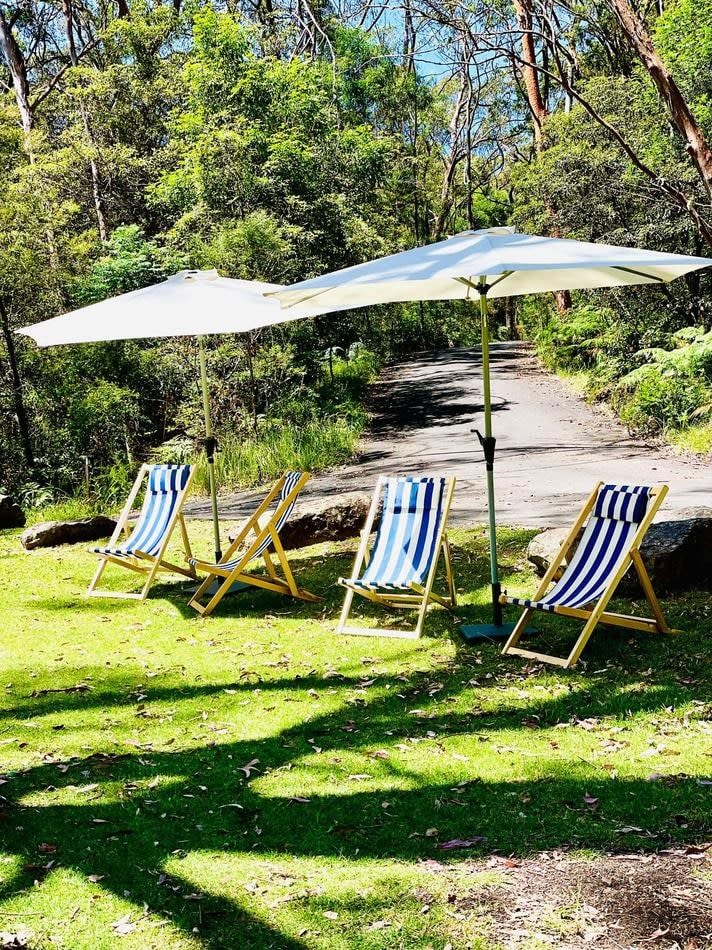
(537, 107)
(681, 117)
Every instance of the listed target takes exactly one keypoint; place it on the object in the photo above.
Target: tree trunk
(68, 11)
(682, 118)
(123, 9)
(537, 105)
(454, 156)
(538, 108)
(18, 72)
(17, 395)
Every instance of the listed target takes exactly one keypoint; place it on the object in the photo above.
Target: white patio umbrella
(191, 303)
(494, 262)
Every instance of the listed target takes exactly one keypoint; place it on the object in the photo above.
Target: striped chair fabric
(290, 480)
(618, 511)
(406, 540)
(165, 483)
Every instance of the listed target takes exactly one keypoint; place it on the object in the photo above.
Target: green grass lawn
(252, 781)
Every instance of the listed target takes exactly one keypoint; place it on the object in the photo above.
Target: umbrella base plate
(471, 633)
(235, 588)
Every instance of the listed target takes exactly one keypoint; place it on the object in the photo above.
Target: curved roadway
(551, 445)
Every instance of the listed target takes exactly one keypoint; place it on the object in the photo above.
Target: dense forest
(277, 140)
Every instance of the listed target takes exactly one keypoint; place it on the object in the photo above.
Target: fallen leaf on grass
(250, 767)
(461, 843)
(590, 801)
(379, 925)
(123, 926)
(331, 915)
(46, 848)
(10, 941)
(657, 935)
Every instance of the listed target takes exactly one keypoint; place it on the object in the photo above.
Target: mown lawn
(252, 781)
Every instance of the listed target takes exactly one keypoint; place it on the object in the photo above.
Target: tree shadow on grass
(203, 801)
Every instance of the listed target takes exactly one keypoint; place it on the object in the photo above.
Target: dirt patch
(630, 901)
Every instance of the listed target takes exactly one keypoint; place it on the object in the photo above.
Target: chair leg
(345, 610)
(516, 634)
(101, 567)
(650, 595)
(294, 588)
(449, 572)
(422, 610)
(194, 601)
(190, 570)
(580, 645)
(155, 567)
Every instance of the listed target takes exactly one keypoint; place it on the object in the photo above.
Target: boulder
(677, 552)
(50, 534)
(317, 519)
(544, 547)
(11, 515)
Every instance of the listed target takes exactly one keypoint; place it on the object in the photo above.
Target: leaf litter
(627, 900)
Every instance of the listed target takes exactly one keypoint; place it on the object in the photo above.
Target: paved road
(551, 446)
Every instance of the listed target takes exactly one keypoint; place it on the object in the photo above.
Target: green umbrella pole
(210, 443)
(497, 630)
(488, 445)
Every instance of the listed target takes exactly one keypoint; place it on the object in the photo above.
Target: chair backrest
(163, 490)
(409, 531)
(290, 480)
(611, 528)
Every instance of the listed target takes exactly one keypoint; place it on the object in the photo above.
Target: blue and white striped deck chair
(258, 537)
(617, 518)
(400, 569)
(143, 548)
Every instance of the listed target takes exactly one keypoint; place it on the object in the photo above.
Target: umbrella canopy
(191, 303)
(494, 262)
(512, 264)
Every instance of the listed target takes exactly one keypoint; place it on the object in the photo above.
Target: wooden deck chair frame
(261, 528)
(420, 597)
(147, 564)
(598, 613)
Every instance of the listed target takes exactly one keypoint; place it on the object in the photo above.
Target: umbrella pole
(210, 443)
(497, 630)
(488, 446)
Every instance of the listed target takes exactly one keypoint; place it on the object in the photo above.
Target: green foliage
(201, 144)
(256, 460)
(673, 389)
(579, 339)
(129, 263)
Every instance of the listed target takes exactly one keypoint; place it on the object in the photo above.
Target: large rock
(677, 552)
(11, 515)
(50, 534)
(315, 520)
(544, 547)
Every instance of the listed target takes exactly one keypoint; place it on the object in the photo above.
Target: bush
(244, 463)
(577, 340)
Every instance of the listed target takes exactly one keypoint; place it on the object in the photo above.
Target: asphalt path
(552, 447)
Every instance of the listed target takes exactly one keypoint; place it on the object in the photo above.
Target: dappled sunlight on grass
(234, 780)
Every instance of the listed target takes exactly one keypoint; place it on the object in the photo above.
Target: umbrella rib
(638, 273)
(482, 283)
